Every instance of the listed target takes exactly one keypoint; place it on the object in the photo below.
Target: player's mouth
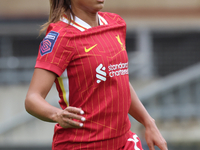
(100, 1)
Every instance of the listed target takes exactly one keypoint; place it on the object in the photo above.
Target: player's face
(91, 6)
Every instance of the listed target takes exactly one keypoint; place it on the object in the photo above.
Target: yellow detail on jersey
(119, 40)
(60, 80)
(89, 49)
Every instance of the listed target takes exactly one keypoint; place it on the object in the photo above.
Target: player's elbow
(28, 103)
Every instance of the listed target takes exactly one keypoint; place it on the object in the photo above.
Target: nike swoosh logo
(89, 49)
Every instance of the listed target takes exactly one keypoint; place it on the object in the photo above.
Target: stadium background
(163, 44)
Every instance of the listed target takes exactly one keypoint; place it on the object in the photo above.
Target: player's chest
(107, 44)
(104, 53)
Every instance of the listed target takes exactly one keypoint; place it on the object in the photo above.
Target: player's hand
(154, 137)
(70, 117)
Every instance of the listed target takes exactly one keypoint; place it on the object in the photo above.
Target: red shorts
(132, 143)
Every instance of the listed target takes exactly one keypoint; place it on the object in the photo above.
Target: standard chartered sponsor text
(118, 69)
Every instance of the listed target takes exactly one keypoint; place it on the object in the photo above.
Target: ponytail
(57, 9)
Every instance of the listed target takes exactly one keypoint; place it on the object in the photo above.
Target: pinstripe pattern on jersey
(92, 76)
(119, 106)
(92, 120)
(112, 42)
(110, 49)
(123, 81)
(79, 81)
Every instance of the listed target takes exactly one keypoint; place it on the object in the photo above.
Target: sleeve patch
(48, 43)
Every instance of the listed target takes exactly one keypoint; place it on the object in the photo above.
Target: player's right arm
(37, 106)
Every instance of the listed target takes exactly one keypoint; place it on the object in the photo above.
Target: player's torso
(98, 81)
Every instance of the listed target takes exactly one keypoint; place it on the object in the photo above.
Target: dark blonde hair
(57, 10)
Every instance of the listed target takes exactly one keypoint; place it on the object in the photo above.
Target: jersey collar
(80, 24)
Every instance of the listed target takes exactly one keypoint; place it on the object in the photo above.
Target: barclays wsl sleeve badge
(48, 42)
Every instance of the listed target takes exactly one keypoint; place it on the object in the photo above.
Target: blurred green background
(163, 45)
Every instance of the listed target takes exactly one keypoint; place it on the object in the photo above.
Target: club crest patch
(47, 44)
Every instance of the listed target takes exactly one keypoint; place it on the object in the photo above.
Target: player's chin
(98, 7)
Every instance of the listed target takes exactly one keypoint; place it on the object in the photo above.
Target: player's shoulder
(59, 27)
(112, 17)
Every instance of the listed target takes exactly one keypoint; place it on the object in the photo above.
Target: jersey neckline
(80, 24)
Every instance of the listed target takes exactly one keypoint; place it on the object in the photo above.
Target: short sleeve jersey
(92, 68)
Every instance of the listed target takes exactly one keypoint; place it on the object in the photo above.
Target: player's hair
(57, 9)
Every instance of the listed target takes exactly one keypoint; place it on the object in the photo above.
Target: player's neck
(88, 17)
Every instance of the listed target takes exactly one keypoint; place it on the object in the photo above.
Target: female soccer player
(84, 53)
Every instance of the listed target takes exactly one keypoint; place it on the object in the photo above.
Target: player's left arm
(152, 134)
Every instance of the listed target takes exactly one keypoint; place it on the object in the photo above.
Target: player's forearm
(40, 108)
(138, 111)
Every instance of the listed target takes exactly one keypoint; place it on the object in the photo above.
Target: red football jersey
(92, 68)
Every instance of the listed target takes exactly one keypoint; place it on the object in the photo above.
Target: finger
(73, 124)
(74, 116)
(67, 125)
(151, 146)
(163, 146)
(75, 110)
